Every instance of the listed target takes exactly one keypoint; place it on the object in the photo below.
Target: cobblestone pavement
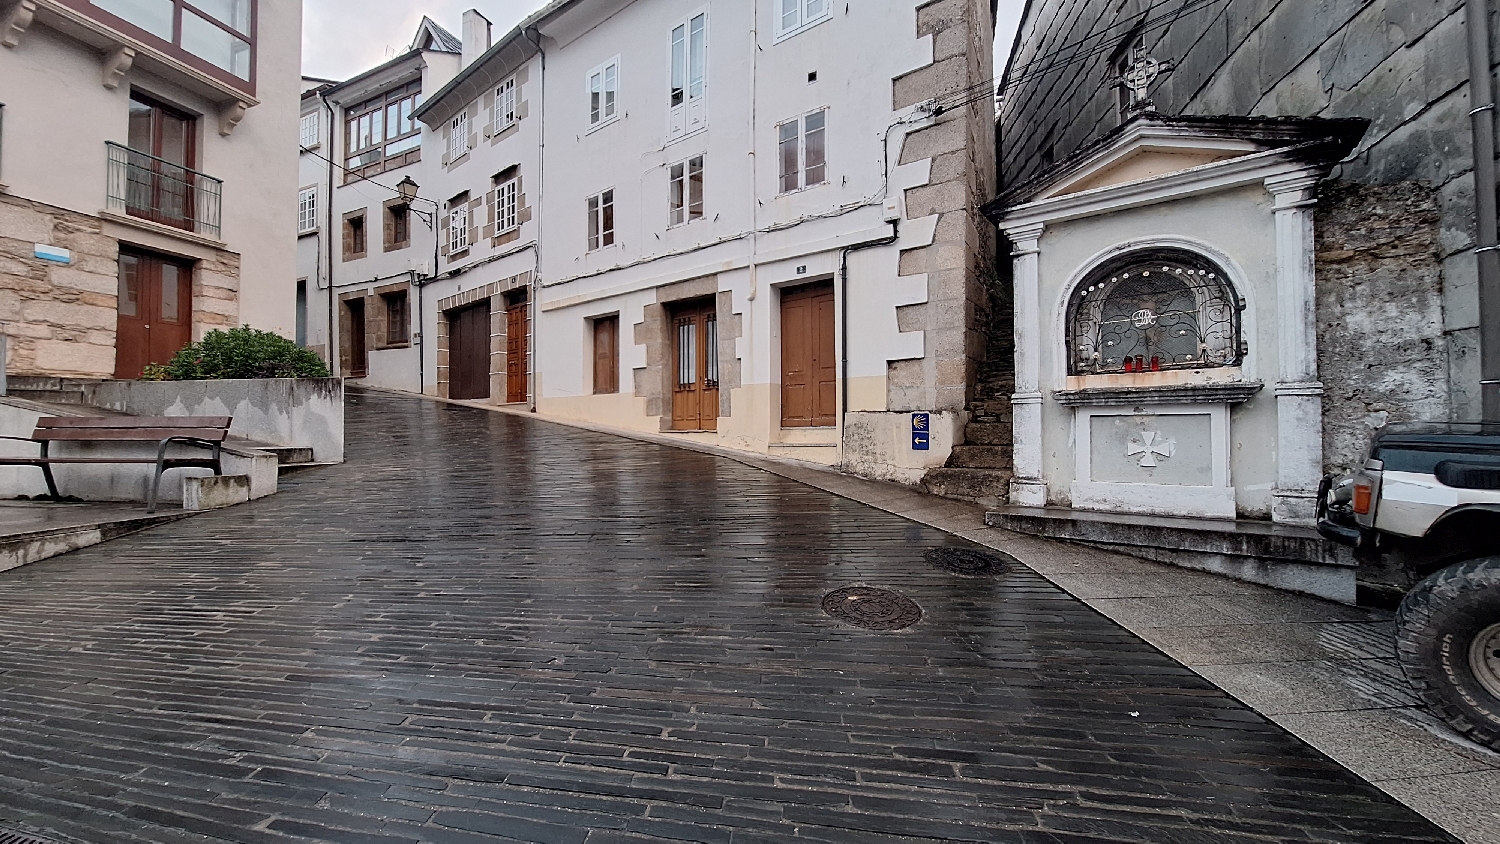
(488, 628)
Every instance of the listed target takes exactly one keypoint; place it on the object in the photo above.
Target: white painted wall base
(1155, 499)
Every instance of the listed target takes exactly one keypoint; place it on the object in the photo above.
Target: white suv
(1429, 496)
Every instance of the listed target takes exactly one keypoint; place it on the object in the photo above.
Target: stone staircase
(980, 469)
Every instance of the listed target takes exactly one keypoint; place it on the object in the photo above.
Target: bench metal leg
(51, 483)
(161, 461)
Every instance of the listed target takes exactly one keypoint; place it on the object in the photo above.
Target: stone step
(288, 454)
(986, 486)
(289, 468)
(980, 457)
(988, 433)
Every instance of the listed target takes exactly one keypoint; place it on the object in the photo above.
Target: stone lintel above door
(1222, 393)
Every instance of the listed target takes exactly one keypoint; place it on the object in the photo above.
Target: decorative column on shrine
(1299, 393)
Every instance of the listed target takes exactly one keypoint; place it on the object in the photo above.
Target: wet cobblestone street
(488, 628)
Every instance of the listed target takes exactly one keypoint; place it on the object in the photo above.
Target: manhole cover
(871, 608)
(9, 835)
(969, 562)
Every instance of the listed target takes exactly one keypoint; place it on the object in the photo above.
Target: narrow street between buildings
(489, 628)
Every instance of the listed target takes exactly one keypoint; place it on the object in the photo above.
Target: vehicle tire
(1448, 640)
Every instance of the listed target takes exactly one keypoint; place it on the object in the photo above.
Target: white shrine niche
(1153, 349)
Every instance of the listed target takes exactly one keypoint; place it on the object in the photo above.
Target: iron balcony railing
(142, 185)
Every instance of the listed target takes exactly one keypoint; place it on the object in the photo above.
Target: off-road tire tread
(1416, 635)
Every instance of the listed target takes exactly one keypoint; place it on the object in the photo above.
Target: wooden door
(469, 352)
(517, 326)
(695, 358)
(155, 311)
(607, 355)
(161, 183)
(359, 352)
(809, 360)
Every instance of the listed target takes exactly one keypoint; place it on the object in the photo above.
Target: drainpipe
(844, 314)
(328, 241)
(541, 180)
(1482, 120)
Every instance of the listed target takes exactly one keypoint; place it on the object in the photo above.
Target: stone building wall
(1399, 63)
(1381, 353)
(60, 318)
(962, 177)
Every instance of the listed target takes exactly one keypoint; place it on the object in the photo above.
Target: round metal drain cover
(969, 562)
(871, 608)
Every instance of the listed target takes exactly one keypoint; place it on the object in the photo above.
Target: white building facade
(747, 224)
(144, 164)
(363, 248)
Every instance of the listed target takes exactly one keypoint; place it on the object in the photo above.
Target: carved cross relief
(1139, 75)
(1149, 446)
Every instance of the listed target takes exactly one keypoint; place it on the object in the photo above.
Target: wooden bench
(206, 431)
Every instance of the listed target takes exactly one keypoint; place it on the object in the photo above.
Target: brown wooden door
(809, 362)
(695, 358)
(607, 355)
(161, 184)
(517, 326)
(155, 311)
(359, 351)
(469, 352)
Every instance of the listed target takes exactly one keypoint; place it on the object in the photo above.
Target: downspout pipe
(1482, 123)
(844, 314)
(334, 364)
(541, 179)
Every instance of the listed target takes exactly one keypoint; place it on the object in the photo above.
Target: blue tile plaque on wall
(919, 432)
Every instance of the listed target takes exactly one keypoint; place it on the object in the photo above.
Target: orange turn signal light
(1362, 499)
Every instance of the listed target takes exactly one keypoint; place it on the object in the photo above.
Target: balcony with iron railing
(150, 188)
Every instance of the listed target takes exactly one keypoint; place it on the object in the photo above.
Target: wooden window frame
(371, 158)
(803, 21)
(687, 86)
(606, 108)
(458, 136)
(307, 210)
(173, 46)
(356, 234)
(685, 191)
(796, 142)
(458, 224)
(601, 220)
(397, 318)
(396, 226)
(507, 99)
(308, 128)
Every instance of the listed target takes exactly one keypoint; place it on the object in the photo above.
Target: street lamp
(408, 188)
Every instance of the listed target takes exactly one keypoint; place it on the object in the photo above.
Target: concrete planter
(304, 412)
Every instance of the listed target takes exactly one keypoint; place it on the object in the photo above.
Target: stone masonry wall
(960, 145)
(60, 318)
(1402, 64)
(1381, 354)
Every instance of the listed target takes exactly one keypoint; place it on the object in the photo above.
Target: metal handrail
(144, 185)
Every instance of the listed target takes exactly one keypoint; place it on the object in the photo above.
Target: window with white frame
(689, 72)
(793, 16)
(802, 151)
(458, 136)
(458, 224)
(686, 192)
(506, 195)
(604, 91)
(309, 129)
(307, 210)
(601, 220)
(505, 104)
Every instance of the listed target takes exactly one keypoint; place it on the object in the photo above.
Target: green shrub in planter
(239, 353)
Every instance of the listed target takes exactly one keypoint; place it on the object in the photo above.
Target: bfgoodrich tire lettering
(1436, 628)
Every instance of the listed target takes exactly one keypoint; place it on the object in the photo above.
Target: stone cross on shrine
(1138, 76)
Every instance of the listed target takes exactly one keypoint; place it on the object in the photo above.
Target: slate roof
(438, 39)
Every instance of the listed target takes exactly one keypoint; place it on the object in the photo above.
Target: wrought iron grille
(1159, 310)
(142, 185)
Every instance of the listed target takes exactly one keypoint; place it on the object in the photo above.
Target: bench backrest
(130, 428)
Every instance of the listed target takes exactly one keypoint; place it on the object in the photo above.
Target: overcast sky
(343, 37)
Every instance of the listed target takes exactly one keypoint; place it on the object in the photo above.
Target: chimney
(476, 36)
